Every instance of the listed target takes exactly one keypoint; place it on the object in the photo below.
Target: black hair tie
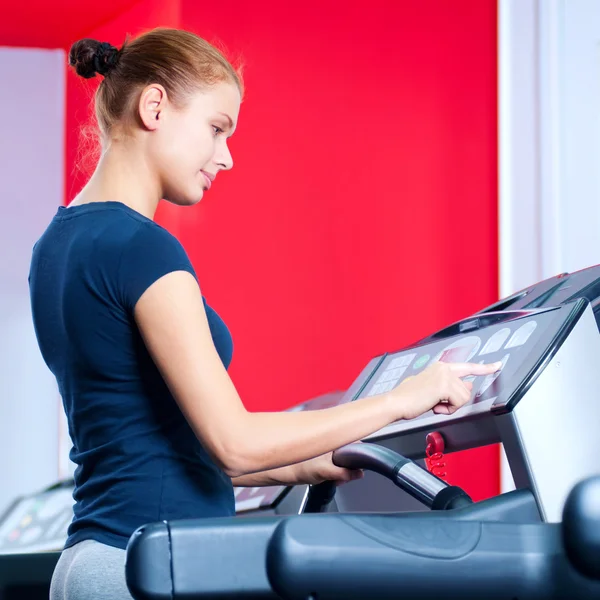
(105, 58)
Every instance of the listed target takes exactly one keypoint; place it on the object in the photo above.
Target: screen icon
(521, 335)
(496, 342)
(489, 379)
(421, 361)
(462, 350)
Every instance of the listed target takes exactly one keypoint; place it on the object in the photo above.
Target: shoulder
(129, 226)
(151, 244)
(148, 255)
(128, 238)
(149, 232)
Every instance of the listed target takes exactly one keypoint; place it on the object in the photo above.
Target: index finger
(466, 369)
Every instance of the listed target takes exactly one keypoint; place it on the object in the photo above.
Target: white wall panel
(549, 140)
(31, 176)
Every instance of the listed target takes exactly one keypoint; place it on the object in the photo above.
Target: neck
(123, 175)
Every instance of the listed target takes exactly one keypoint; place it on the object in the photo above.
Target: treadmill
(528, 543)
(548, 355)
(374, 493)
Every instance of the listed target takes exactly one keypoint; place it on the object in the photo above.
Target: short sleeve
(151, 253)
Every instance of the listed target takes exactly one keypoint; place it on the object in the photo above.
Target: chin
(186, 199)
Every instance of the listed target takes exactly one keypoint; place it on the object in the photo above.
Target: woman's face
(188, 146)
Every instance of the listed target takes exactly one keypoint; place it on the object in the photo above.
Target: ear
(153, 101)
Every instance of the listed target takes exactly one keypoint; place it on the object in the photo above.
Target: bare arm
(282, 476)
(172, 320)
(311, 471)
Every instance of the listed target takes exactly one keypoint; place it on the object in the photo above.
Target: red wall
(361, 213)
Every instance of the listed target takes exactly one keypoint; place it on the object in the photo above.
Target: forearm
(290, 475)
(269, 441)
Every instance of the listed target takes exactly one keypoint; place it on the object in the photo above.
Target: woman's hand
(439, 388)
(321, 469)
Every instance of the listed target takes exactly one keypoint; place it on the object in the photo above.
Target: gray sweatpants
(90, 570)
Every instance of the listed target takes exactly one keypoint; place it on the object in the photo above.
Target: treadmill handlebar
(394, 556)
(430, 490)
(385, 556)
(370, 457)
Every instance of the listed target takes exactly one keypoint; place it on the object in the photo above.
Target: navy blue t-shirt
(138, 461)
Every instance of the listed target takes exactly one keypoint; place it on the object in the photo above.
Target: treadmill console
(521, 340)
(38, 522)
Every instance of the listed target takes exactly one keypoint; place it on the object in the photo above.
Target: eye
(217, 130)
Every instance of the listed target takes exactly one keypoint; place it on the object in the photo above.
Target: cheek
(205, 149)
(180, 153)
(194, 148)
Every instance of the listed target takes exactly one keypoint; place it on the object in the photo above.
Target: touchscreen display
(510, 343)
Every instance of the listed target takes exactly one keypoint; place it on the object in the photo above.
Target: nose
(223, 157)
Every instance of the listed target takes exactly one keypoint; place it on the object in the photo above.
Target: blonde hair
(180, 61)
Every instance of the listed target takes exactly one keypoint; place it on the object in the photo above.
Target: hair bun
(89, 57)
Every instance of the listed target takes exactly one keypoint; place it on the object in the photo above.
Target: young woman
(158, 429)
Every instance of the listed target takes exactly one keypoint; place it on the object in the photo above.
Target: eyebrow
(228, 118)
